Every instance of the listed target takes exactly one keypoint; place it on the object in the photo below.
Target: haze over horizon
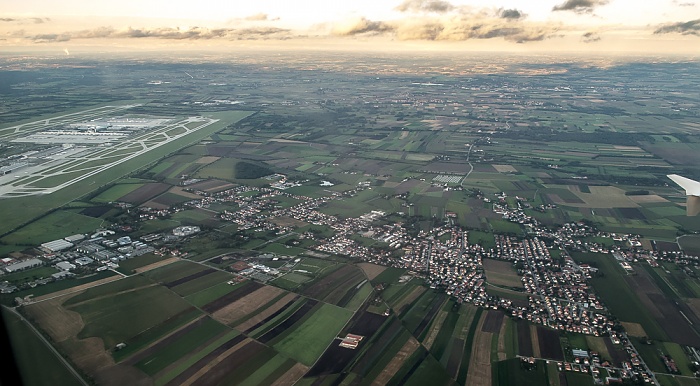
(659, 26)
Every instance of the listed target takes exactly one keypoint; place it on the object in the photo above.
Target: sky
(664, 26)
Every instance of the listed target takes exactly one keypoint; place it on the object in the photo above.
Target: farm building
(65, 266)
(55, 246)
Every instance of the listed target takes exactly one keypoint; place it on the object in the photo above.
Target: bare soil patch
(395, 364)
(505, 168)
(246, 305)
(145, 193)
(634, 329)
(180, 192)
(647, 199)
(156, 265)
(371, 270)
(206, 160)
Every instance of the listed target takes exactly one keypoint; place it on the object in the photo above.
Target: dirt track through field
(535, 342)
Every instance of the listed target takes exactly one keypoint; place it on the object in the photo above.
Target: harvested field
(291, 376)
(505, 168)
(371, 270)
(54, 319)
(267, 314)
(648, 199)
(493, 321)
(634, 329)
(145, 193)
(437, 325)
(480, 361)
(246, 305)
(158, 264)
(501, 273)
(193, 372)
(217, 371)
(231, 297)
(407, 300)
(550, 346)
(395, 364)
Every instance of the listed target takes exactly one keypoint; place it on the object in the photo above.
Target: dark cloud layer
(35, 20)
(590, 37)
(579, 6)
(512, 14)
(691, 27)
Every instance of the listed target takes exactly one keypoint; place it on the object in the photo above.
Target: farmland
(447, 222)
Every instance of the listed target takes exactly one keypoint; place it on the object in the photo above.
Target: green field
(307, 341)
(56, 225)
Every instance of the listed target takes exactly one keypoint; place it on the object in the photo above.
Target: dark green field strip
(444, 335)
(409, 367)
(466, 356)
(109, 289)
(430, 372)
(269, 372)
(154, 333)
(344, 292)
(237, 366)
(202, 283)
(278, 332)
(455, 358)
(191, 370)
(289, 309)
(212, 293)
(382, 344)
(421, 330)
(231, 297)
(349, 294)
(165, 341)
(28, 350)
(263, 308)
(189, 277)
(513, 372)
(173, 348)
(389, 275)
(128, 267)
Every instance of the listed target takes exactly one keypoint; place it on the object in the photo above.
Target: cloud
(454, 28)
(691, 27)
(35, 20)
(579, 6)
(359, 26)
(684, 4)
(195, 33)
(436, 6)
(590, 37)
(257, 17)
(511, 14)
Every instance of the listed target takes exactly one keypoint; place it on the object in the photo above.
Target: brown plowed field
(269, 312)
(144, 193)
(493, 321)
(371, 270)
(395, 364)
(246, 304)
